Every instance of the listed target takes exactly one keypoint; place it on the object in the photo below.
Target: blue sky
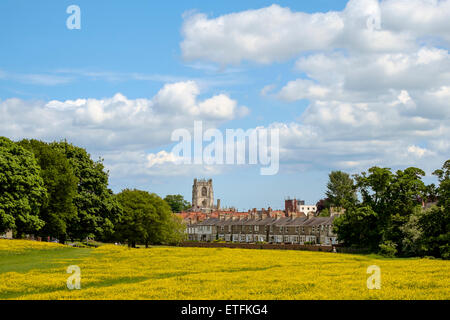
(320, 86)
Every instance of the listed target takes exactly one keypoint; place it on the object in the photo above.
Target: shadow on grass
(41, 259)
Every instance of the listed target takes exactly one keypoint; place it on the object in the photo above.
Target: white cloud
(118, 123)
(264, 35)
(275, 33)
(417, 151)
(161, 158)
(303, 89)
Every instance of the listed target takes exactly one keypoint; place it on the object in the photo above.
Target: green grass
(32, 259)
(33, 270)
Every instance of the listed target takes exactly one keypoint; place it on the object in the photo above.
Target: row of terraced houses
(298, 223)
(293, 229)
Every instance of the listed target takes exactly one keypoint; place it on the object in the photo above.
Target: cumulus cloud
(376, 75)
(375, 102)
(118, 123)
(276, 33)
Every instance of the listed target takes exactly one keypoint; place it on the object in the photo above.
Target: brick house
(273, 228)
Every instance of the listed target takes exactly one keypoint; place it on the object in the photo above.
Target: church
(203, 196)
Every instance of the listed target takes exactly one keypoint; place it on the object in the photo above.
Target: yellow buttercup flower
(36, 270)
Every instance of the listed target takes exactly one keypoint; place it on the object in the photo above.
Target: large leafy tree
(340, 189)
(147, 219)
(443, 191)
(406, 193)
(61, 183)
(394, 198)
(435, 222)
(22, 190)
(374, 187)
(97, 209)
(359, 227)
(177, 203)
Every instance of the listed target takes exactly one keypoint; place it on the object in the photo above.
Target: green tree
(22, 190)
(444, 185)
(324, 213)
(147, 219)
(406, 193)
(412, 241)
(358, 227)
(374, 187)
(435, 222)
(97, 209)
(340, 190)
(61, 185)
(177, 203)
(435, 227)
(393, 197)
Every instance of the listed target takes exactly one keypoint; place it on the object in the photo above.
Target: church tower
(203, 195)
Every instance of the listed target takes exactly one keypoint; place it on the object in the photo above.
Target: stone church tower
(203, 195)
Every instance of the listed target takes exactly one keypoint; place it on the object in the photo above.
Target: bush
(445, 251)
(388, 249)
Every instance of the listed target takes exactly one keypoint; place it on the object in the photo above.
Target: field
(34, 270)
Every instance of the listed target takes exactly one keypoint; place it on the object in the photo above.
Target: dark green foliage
(177, 203)
(388, 249)
(147, 219)
(22, 190)
(359, 227)
(435, 227)
(341, 190)
(390, 217)
(58, 209)
(324, 213)
(97, 209)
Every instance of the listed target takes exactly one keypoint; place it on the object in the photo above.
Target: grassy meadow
(37, 270)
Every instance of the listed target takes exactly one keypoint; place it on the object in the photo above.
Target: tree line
(56, 190)
(392, 213)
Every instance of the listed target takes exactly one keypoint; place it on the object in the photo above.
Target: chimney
(218, 204)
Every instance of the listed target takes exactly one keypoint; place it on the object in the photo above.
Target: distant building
(203, 196)
(7, 235)
(272, 229)
(297, 206)
(297, 224)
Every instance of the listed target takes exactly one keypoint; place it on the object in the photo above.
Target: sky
(347, 84)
